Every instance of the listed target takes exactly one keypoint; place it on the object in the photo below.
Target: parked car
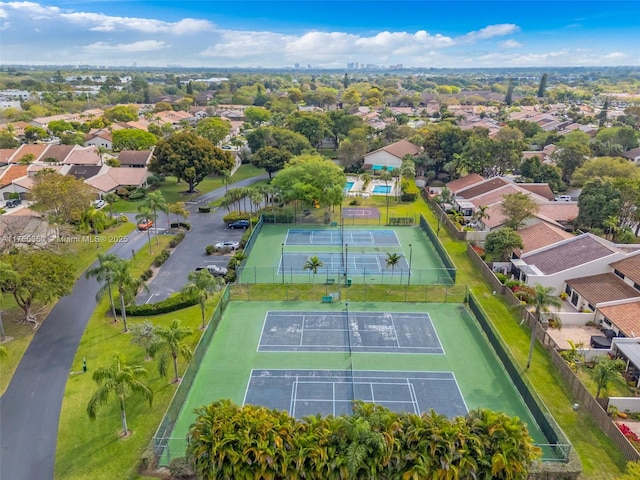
(214, 270)
(239, 224)
(98, 204)
(230, 245)
(145, 224)
(13, 203)
(563, 198)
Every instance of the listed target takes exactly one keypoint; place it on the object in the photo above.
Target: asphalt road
(30, 407)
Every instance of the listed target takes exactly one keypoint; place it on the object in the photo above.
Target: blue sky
(329, 34)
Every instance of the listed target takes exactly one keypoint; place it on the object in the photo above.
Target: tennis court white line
(421, 372)
(334, 346)
(395, 331)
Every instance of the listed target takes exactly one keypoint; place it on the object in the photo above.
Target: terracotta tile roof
(6, 154)
(629, 267)
(540, 235)
(83, 156)
(24, 182)
(464, 182)
(605, 287)
(135, 157)
(559, 211)
(12, 173)
(625, 316)
(34, 149)
(494, 196)
(482, 188)
(36, 167)
(542, 189)
(59, 152)
(569, 254)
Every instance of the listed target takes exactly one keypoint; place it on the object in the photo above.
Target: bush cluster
(176, 240)
(146, 275)
(209, 249)
(171, 304)
(162, 257)
(235, 216)
(410, 192)
(186, 226)
(374, 442)
(204, 209)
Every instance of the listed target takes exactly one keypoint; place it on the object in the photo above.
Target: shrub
(179, 467)
(204, 209)
(146, 275)
(171, 304)
(355, 201)
(176, 240)
(209, 249)
(136, 196)
(409, 190)
(152, 180)
(501, 277)
(235, 216)
(231, 276)
(161, 257)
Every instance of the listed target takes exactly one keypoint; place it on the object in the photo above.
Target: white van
(563, 198)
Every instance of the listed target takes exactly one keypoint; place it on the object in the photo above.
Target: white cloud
(616, 55)
(490, 31)
(142, 46)
(510, 44)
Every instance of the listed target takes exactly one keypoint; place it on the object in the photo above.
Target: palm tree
(313, 264)
(605, 371)
(612, 224)
(126, 285)
(543, 298)
(122, 380)
(95, 220)
(111, 198)
(103, 272)
(145, 214)
(481, 213)
(226, 179)
(154, 202)
(255, 195)
(203, 284)
(392, 261)
(170, 344)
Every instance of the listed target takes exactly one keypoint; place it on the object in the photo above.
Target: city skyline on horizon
(281, 34)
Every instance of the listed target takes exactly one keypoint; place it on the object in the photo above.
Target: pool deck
(357, 189)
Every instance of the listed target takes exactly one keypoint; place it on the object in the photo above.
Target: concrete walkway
(30, 408)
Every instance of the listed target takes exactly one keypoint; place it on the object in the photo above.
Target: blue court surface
(351, 263)
(338, 236)
(331, 392)
(359, 332)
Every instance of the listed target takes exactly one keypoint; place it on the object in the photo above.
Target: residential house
(580, 256)
(633, 155)
(83, 156)
(7, 176)
(390, 156)
(539, 235)
(32, 152)
(174, 118)
(100, 138)
(84, 172)
(56, 153)
(135, 158)
(112, 178)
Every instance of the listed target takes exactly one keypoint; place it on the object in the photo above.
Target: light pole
(410, 258)
(282, 256)
(346, 263)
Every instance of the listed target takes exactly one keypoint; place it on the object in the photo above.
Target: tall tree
(271, 159)
(392, 260)
(314, 126)
(543, 298)
(126, 285)
(103, 272)
(202, 284)
(145, 214)
(605, 371)
(517, 207)
(313, 264)
(500, 243)
(508, 99)
(599, 200)
(111, 198)
(179, 209)
(121, 380)
(214, 129)
(257, 116)
(155, 202)
(170, 344)
(42, 276)
(190, 158)
(543, 86)
(133, 139)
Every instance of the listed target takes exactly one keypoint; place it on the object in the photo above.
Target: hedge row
(171, 304)
(162, 257)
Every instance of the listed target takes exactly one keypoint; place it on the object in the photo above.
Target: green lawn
(176, 192)
(81, 255)
(92, 449)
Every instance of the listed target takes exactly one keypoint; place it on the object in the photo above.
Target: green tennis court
(280, 252)
(454, 356)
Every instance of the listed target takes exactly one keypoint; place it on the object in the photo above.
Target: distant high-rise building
(296, 66)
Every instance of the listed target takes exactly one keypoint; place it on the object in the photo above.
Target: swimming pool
(384, 189)
(348, 186)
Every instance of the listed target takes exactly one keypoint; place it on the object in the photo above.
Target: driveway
(30, 408)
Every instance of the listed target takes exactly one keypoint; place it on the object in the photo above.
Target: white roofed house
(390, 156)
